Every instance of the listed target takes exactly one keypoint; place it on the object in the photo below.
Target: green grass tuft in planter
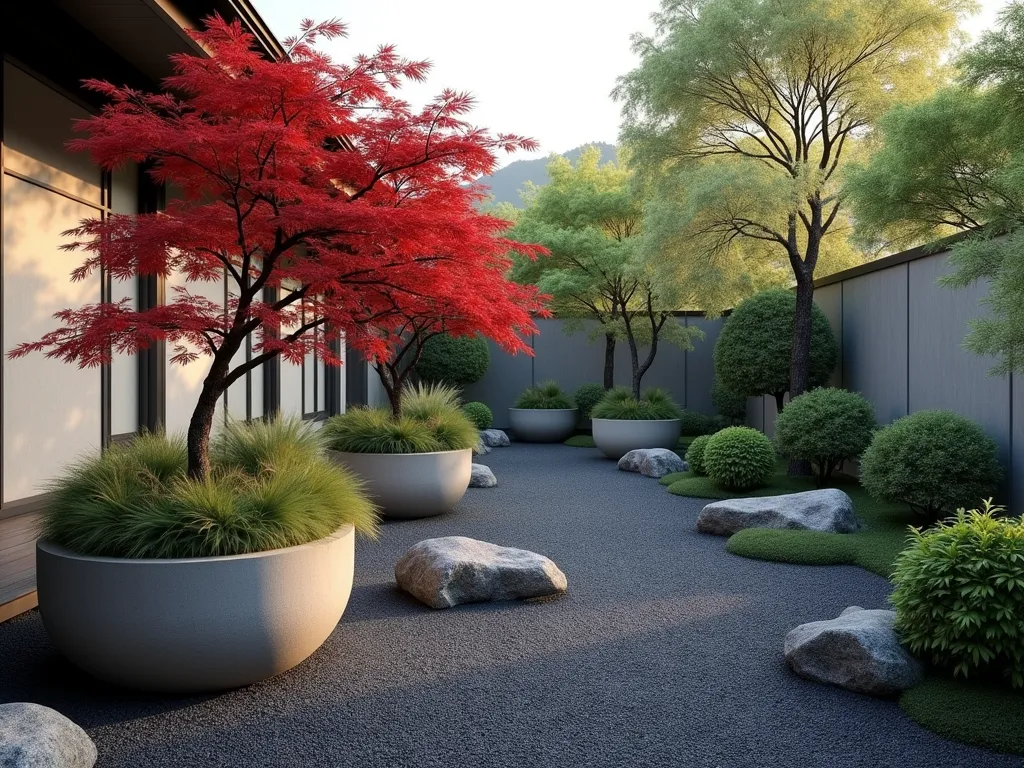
(270, 487)
(618, 403)
(545, 396)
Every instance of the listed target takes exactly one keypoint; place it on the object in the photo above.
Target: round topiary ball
(739, 458)
(753, 351)
(695, 423)
(957, 569)
(825, 427)
(933, 461)
(695, 455)
(587, 396)
(479, 414)
(454, 360)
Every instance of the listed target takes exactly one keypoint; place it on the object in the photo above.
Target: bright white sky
(539, 68)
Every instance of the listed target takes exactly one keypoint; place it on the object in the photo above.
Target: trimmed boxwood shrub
(739, 458)
(933, 461)
(694, 424)
(959, 594)
(454, 360)
(545, 396)
(753, 350)
(618, 403)
(587, 396)
(729, 404)
(695, 455)
(479, 414)
(825, 427)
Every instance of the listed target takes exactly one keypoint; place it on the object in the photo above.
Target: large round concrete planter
(409, 485)
(194, 624)
(617, 437)
(543, 425)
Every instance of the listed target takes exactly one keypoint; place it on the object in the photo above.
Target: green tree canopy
(589, 217)
(743, 114)
(955, 163)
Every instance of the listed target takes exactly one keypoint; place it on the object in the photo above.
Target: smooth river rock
(652, 462)
(451, 570)
(828, 509)
(34, 736)
(482, 477)
(859, 651)
(494, 438)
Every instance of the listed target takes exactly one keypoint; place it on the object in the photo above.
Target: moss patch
(874, 547)
(985, 716)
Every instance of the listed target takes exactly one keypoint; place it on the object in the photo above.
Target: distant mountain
(506, 182)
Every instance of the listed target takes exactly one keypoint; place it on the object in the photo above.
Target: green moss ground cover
(986, 716)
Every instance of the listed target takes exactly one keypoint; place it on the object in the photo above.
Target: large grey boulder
(481, 448)
(652, 462)
(34, 736)
(482, 477)
(494, 438)
(451, 570)
(828, 509)
(859, 651)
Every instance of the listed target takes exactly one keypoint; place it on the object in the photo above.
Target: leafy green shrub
(587, 396)
(933, 461)
(547, 396)
(730, 405)
(825, 427)
(454, 360)
(695, 424)
(270, 486)
(479, 414)
(753, 350)
(959, 594)
(618, 403)
(431, 420)
(739, 458)
(695, 455)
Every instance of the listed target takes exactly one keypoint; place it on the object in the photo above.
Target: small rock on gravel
(494, 438)
(482, 477)
(451, 570)
(652, 462)
(828, 509)
(859, 651)
(34, 736)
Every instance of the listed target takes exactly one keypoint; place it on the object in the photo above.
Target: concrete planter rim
(56, 549)
(391, 453)
(545, 410)
(645, 421)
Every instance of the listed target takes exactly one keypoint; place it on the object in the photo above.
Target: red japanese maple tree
(300, 174)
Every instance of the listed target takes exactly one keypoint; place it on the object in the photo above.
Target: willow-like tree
(589, 217)
(302, 175)
(955, 163)
(743, 114)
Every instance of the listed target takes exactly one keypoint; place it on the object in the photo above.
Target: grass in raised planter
(874, 547)
(982, 715)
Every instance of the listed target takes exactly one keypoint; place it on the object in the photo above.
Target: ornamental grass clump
(825, 427)
(270, 486)
(545, 396)
(587, 396)
(653, 405)
(739, 458)
(431, 420)
(932, 461)
(959, 594)
(695, 455)
(479, 414)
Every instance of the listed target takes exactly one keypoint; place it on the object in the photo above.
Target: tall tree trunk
(800, 363)
(780, 401)
(609, 360)
(634, 362)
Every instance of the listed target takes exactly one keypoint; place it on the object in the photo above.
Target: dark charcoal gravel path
(667, 651)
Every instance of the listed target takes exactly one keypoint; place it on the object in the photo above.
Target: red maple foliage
(304, 175)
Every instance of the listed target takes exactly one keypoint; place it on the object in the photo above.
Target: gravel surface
(666, 651)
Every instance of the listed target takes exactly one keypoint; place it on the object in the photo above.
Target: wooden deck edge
(18, 606)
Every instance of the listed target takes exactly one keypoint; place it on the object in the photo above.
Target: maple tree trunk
(395, 400)
(780, 401)
(609, 361)
(800, 364)
(201, 424)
